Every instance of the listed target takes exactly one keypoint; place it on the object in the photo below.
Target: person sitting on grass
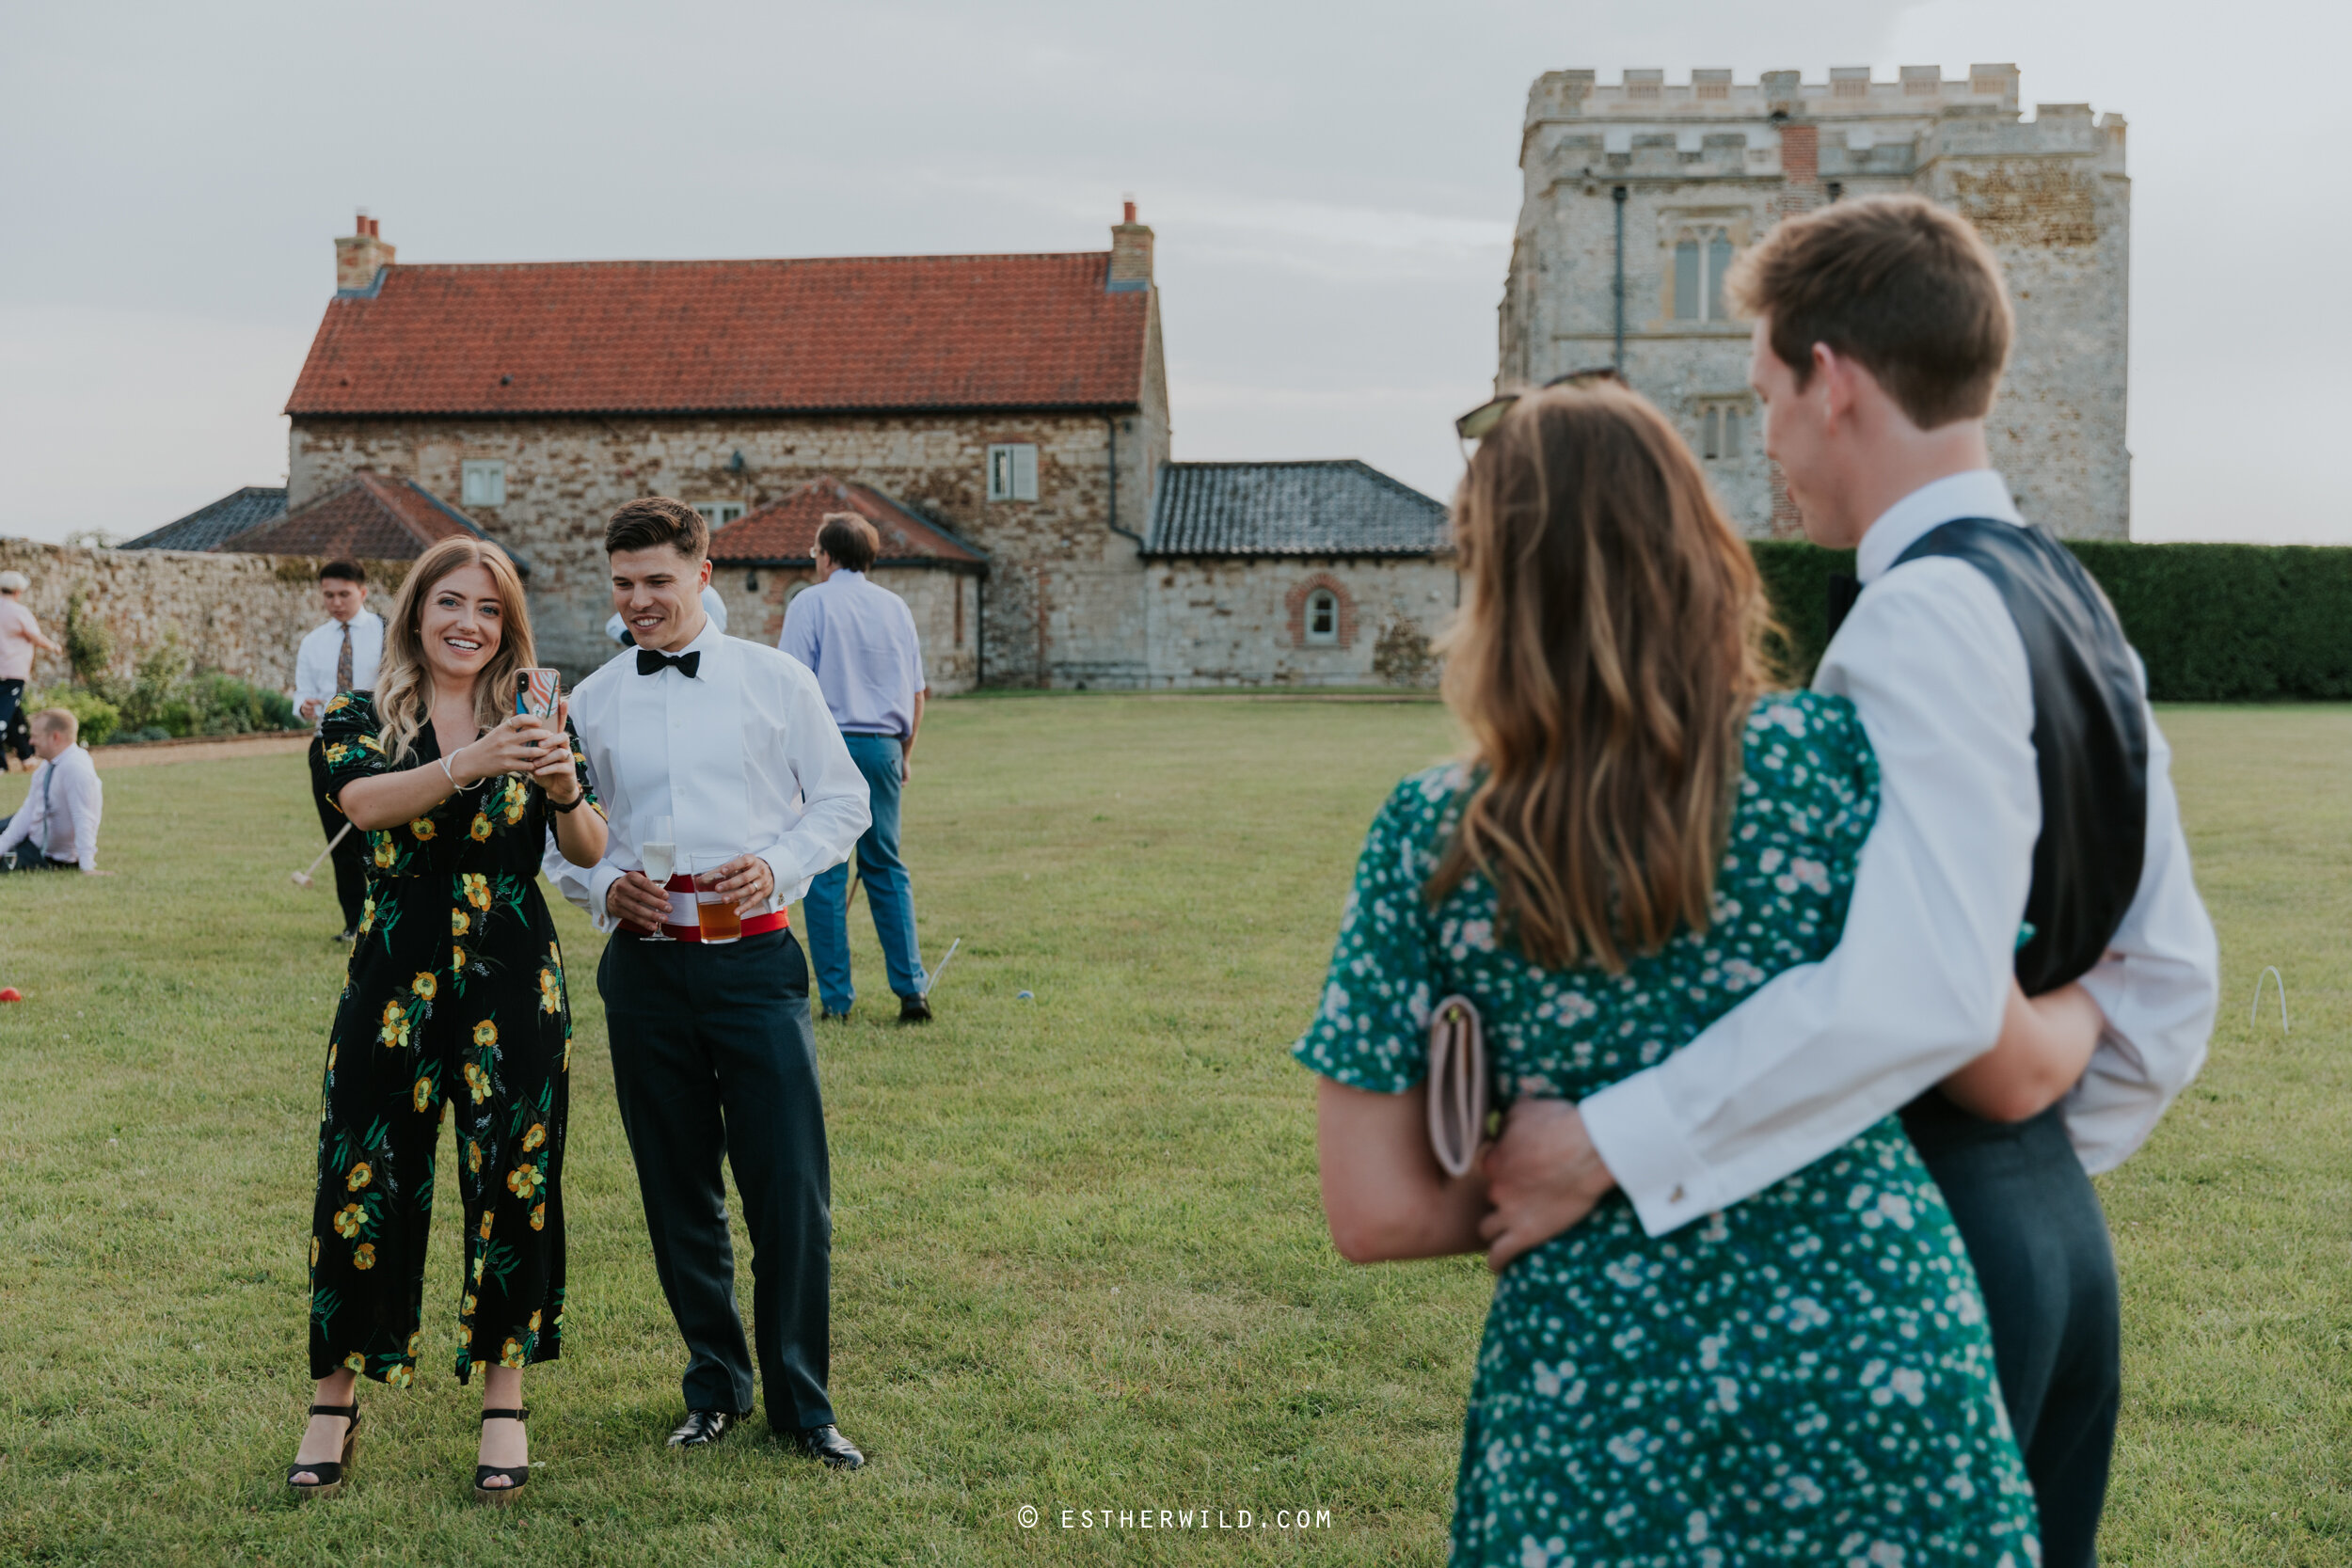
(57, 828)
(1642, 833)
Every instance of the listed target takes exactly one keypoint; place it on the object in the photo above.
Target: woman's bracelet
(450, 776)
(577, 801)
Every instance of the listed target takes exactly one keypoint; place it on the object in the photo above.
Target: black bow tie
(651, 662)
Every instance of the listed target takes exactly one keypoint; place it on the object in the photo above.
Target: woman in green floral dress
(454, 1009)
(1643, 837)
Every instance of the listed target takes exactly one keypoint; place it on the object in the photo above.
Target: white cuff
(600, 879)
(1637, 1138)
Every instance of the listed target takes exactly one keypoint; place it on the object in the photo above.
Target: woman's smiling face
(460, 627)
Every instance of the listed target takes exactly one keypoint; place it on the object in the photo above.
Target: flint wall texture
(1241, 623)
(244, 615)
(946, 607)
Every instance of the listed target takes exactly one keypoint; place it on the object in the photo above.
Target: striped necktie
(343, 661)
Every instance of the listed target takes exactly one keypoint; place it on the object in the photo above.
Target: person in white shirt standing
(723, 752)
(2027, 826)
(860, 640)
(338, 657)
(57, 827)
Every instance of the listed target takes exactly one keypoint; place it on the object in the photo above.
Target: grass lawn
(1078, 1259)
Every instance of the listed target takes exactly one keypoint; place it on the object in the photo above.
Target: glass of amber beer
(716, 913)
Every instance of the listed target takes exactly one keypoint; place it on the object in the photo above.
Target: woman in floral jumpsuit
(454, 1009)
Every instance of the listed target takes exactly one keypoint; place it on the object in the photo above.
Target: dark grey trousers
(2039, 1242)
(713, 1059)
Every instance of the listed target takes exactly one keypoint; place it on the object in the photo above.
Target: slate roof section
(850, 334)
(368, 516)
(207, 526)
(1337, 507)
(784, 532)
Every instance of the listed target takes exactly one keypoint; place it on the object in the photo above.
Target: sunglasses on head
(1478, 422)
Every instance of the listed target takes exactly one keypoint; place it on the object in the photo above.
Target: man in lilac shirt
(860, 641)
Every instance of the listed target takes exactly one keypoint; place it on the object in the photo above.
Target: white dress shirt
(60, 812)
(322, 647)
(742, 756)
(1915, 989)
(713, 605)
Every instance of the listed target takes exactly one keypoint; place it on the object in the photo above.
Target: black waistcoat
(2090, 758)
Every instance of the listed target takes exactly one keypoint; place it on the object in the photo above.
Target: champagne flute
(661, 857)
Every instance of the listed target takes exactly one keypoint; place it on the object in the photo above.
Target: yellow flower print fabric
(455, 990)
(1806, 1377)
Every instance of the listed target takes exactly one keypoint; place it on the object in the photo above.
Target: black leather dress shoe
(702, 1428)
(914, 1009)
(826, 1443)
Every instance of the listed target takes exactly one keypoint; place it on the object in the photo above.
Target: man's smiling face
(658, 594)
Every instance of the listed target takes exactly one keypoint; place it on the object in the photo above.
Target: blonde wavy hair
(403, 683)
(1611, 643)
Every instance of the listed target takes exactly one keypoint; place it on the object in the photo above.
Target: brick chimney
(1131, 254)
(359, 255)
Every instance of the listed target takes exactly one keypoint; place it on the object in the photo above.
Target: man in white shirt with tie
(57, 827)
(338, 657)
(727, 746)
(1882, 328)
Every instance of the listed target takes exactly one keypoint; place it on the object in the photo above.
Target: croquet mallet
(302, 879)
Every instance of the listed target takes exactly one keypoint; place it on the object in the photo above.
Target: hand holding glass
(660, 854)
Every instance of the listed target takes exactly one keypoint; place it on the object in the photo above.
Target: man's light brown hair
(1905, 289)
(657, 521)
(850, 540)
(56, 721)
(1609, 647)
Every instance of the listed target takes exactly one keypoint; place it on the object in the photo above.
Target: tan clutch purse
(1457, 1083)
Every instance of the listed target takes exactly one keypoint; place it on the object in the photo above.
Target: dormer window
(1012, 473)
(718, 514)
(482, 485)
(1702, 256)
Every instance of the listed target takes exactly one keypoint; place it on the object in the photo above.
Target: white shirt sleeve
(798, 636)
(836, 805)
(1916, 986)
(28, 817)
(85, 802)
(314, 666)
(2159, 986)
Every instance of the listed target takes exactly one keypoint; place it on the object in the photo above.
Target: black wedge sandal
(515, 1475)
(329, 1471)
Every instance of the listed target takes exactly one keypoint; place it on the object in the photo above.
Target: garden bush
(98, 716)
(2213, 623)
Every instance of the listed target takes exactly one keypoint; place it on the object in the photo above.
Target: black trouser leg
(713, 1058)
(2039, 1242)
(351, 855)
(16, 734)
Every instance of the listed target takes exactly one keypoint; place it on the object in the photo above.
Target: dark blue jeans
(889, 893)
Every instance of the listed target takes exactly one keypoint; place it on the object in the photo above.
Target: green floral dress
(1804, 1378)
(453, 1008)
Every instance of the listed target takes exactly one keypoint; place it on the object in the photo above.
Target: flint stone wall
(243, 615)
(1241, 623)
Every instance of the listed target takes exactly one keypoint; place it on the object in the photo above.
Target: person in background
(338, 657)
(57, 828)
(714, 608)
(20, 634)
(860, 641)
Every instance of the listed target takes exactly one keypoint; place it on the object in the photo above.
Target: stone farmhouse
(1638, 196)
(1004, 420)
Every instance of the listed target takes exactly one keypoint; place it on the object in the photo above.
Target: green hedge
(2213, 622)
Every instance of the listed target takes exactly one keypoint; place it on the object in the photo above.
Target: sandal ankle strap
(522, 1415)
(348, 1412)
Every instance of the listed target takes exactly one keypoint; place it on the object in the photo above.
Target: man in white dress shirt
(57, 827)
(1882, 327)
(339, 656)
(713, 1058)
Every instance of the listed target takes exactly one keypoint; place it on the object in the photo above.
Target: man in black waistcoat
(2026, 827)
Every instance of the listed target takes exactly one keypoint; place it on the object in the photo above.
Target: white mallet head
(302, 879)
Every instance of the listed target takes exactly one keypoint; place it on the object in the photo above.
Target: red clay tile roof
(785, 530)
(366, 516)
(856, 333)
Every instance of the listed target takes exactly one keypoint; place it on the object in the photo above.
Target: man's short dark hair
(344, 571)
(850, 540)
(1905, 289)
(655, 521)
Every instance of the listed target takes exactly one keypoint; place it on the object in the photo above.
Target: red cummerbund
(758, 925)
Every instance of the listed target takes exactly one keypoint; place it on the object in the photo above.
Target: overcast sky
(1333, 188)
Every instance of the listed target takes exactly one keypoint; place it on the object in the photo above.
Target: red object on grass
(9, 994)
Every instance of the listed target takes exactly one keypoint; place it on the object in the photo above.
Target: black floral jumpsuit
(453, 1008)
